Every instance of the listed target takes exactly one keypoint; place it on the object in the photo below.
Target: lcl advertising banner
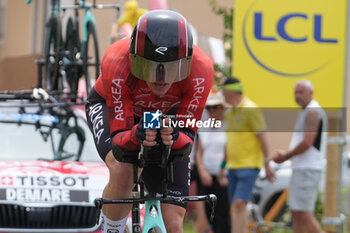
(277, 43)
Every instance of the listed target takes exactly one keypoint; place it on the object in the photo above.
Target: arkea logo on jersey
(151, 120)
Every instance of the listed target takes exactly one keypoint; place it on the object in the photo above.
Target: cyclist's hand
(169, 135)
(147, 137)
(150, 138)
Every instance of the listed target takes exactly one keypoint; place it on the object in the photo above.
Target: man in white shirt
(306, 152)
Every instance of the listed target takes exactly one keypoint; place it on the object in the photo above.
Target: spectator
(200, 219)
(123, 27)
(211, 145)
(131, 13)
(245, 151)
(306, 152)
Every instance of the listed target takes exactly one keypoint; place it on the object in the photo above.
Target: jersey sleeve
(112, 86)
(196, 89)
(96, 115)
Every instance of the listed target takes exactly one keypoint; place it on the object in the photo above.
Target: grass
(188, 225)
(282, 230)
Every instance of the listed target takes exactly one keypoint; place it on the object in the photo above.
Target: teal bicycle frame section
(88, 17)
(54, 9)
(153, 216)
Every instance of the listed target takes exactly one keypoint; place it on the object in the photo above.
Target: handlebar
(39, 97)
(210, 198)
(99, 202)
(83, 5)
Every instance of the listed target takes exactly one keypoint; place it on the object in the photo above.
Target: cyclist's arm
(196, 89)
(112, 86)
(119, 113)
(96, 115)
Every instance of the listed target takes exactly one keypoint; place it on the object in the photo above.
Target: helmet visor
(168, 72)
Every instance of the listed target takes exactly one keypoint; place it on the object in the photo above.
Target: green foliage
(227, 14)
(319, 207)
(188, 225)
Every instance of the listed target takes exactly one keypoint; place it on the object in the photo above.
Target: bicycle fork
(153, 217)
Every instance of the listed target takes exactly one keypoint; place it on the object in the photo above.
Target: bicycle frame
(88, 17)
(259, 223)
(153, 219)
(153, 215)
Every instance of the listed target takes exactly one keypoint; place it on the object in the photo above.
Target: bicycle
(87, 48)
(153, 216)
(268, 209)
(67, 61)
(274, 218)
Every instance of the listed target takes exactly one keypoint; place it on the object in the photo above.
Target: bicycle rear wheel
(72, 43)
(72, 48)
(51, 54)
(283, 215)
(91, 58)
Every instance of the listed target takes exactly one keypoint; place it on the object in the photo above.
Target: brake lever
(98, 204)
(212, 200)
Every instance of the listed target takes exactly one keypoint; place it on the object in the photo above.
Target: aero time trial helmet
(161, 47)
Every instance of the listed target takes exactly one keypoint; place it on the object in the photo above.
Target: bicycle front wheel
(91, 58)
(51, 53)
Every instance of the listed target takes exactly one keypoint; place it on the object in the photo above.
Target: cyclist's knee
(120, 174)
(173, 217)
(174, 226)
(115, 167)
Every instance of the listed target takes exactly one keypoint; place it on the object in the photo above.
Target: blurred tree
(227, 37)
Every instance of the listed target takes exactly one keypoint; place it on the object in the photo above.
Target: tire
(72, 48)
(284, 215)
(91, 58)
(72, 43)
(51, 53)
(155, 230)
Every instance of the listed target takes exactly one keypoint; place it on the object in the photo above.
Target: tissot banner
(277, 43)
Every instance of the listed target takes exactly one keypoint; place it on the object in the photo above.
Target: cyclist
(158, 68)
